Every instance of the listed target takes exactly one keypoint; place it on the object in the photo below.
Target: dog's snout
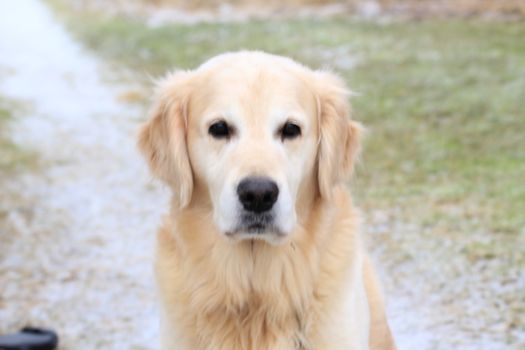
(257, 194)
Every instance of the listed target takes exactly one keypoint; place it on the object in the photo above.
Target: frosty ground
(77, 234)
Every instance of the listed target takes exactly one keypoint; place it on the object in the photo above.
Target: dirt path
(77, 252)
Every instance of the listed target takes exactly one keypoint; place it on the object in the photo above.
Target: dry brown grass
(416, 8)
(445, 8)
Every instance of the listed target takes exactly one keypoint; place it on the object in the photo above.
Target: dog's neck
(251, 287)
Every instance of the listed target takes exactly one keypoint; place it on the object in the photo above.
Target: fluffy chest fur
(251, 295)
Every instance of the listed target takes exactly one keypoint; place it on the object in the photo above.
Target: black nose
(257, 194)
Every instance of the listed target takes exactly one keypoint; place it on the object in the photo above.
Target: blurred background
(440, 85)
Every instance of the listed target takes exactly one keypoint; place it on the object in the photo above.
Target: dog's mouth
(255, 226)
(256, 223)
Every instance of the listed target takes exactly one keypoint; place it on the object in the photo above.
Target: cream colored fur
(312, 286)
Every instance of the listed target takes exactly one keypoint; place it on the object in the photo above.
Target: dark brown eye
(290, 131)
(220, 130)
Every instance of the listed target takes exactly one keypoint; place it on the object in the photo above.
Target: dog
(261, 247)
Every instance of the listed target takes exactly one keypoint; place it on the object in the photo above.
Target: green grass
(443, 101)
(12, 157)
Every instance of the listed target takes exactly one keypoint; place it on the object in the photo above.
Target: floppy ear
(162, 139)
(339, 142)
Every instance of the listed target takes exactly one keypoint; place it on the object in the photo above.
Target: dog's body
(261, 249)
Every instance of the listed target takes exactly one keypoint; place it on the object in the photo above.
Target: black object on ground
(29, 339)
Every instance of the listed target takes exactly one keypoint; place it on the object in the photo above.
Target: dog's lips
(252, 229)
(256, 223)
(257, 227)
(260, 226)
(248, 220)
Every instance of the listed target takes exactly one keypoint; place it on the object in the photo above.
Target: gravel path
(76, 240)
(76, 248)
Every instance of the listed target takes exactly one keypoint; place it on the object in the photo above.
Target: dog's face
(258, 137)
(253, 144)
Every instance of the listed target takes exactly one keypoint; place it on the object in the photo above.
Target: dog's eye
(290, 131)
(220, 130)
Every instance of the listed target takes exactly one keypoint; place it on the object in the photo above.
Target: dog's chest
(255, 325)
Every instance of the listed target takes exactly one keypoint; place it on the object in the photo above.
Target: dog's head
(256, 137)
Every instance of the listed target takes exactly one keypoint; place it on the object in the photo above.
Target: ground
(440, 183)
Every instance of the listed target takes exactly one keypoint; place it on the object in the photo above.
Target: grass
(12, 157)
(443, 100)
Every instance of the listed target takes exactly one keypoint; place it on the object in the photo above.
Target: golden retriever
(261, 247)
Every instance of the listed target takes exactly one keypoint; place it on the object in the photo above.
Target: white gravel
(76, 250)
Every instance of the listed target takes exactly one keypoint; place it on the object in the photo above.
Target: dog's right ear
(162, 139)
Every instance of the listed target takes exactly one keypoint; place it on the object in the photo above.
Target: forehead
(254, 91)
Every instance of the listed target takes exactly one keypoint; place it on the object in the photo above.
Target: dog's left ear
(339, 143)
